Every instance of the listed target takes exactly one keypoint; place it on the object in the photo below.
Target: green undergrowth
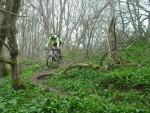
(138, 52)
(80, 56)
(126, 89)
(122, 90)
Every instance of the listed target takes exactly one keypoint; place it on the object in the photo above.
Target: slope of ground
(123, 90)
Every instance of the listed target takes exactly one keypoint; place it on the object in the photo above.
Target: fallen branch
(129, 45)
(131, 64)
(82, 65)
(41, 76)
(97, 67)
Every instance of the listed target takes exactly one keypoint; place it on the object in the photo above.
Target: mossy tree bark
(16, 83)
(9, 32)
(3, 33)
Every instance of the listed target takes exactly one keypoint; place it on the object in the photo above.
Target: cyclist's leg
(60, 53)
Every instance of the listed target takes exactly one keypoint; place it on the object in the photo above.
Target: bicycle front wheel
(49, 61)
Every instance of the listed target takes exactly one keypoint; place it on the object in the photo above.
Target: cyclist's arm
(58, 42)
(48, 42)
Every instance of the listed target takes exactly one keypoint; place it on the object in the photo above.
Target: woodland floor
(121, 90)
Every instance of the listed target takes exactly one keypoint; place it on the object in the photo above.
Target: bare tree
(79, 23)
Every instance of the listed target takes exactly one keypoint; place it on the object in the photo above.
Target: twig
(129, 45)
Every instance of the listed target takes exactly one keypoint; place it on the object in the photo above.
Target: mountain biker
(54, 41)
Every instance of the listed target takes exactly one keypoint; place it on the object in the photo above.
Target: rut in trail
(40, 79)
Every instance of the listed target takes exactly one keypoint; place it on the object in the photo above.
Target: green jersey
(51, 41)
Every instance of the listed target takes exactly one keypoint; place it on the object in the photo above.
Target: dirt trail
(40, 79)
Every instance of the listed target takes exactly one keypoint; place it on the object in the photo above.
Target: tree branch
(8, 12)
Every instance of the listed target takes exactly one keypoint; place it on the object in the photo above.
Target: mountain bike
(54, 56)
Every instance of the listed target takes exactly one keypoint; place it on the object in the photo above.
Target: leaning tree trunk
(16, 84)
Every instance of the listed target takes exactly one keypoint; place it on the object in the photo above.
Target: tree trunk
(3, 33)
(112, 42)
(16, 84)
